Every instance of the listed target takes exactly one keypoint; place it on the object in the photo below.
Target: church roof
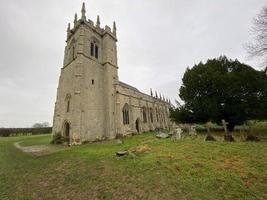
(128, 86)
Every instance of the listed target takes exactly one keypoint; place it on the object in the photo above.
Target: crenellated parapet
(90, 24)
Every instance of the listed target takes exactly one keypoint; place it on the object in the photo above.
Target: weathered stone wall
(137, 102)
(90, 86)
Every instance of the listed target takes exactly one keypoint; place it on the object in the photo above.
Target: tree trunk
(228, 136)
(230, 127)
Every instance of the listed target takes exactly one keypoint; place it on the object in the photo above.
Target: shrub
(57, 138)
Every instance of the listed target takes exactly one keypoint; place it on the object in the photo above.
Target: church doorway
(67, 131)
(137, 125)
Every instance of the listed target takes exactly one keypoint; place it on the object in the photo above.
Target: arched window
(144, 115)
(157, 115)
(151, 115)
(96, 51)
(125, 114)
(72, 50)
(94, 48)
(68, 105)
(67, 99)
(161, 115)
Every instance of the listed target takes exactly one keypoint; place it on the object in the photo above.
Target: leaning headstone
(177, 134)
(252, 138)
(210, 138)
(229, 138)
(122, 153)
(162, 135)
(119, 141)
(192, 131)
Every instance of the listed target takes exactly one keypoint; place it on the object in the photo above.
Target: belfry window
(94, 49)
(125, 114)
(72, 50)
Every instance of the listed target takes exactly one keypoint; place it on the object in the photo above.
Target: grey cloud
(157, 40)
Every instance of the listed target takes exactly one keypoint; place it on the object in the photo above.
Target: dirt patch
(141, 149)
(36, 149)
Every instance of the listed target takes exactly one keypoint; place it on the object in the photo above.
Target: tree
(258, 48)
(45, 124)
(41, 125)
(222, 89)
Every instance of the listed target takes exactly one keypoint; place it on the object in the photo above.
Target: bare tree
(258, 48)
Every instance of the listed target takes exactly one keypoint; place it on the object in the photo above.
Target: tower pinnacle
(83, 12)
(98, 21)
(68, 30)
(75, 19)
(114, 28)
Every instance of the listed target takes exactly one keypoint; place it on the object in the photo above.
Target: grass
(166, 169)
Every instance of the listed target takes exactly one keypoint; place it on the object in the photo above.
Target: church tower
(85, 102)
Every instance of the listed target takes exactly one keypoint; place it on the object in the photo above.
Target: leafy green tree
(222, 89)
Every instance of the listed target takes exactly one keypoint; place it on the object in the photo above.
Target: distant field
(159, 169)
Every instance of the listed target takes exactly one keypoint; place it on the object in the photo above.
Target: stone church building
(91, 103)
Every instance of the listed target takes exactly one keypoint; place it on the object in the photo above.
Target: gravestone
(177, 134)
(192, 130)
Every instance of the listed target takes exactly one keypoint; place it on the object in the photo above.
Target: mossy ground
(166, 169)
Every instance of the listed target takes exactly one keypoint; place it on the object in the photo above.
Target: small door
(67, 131)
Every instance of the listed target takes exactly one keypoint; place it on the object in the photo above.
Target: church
(91, 103)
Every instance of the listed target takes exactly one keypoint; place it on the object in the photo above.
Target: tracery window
(125, 114)
(72, 50)
(94, 49)
(67, 99)
(157, 115)
(144, 115)
(151, 115)
(68, 105)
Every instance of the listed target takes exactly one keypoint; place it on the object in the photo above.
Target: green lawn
(185, 169)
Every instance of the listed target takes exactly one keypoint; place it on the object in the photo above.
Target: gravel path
(36, 149)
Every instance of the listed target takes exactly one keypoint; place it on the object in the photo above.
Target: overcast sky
(157, 40)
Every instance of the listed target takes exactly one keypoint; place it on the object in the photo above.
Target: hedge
(6, 132)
